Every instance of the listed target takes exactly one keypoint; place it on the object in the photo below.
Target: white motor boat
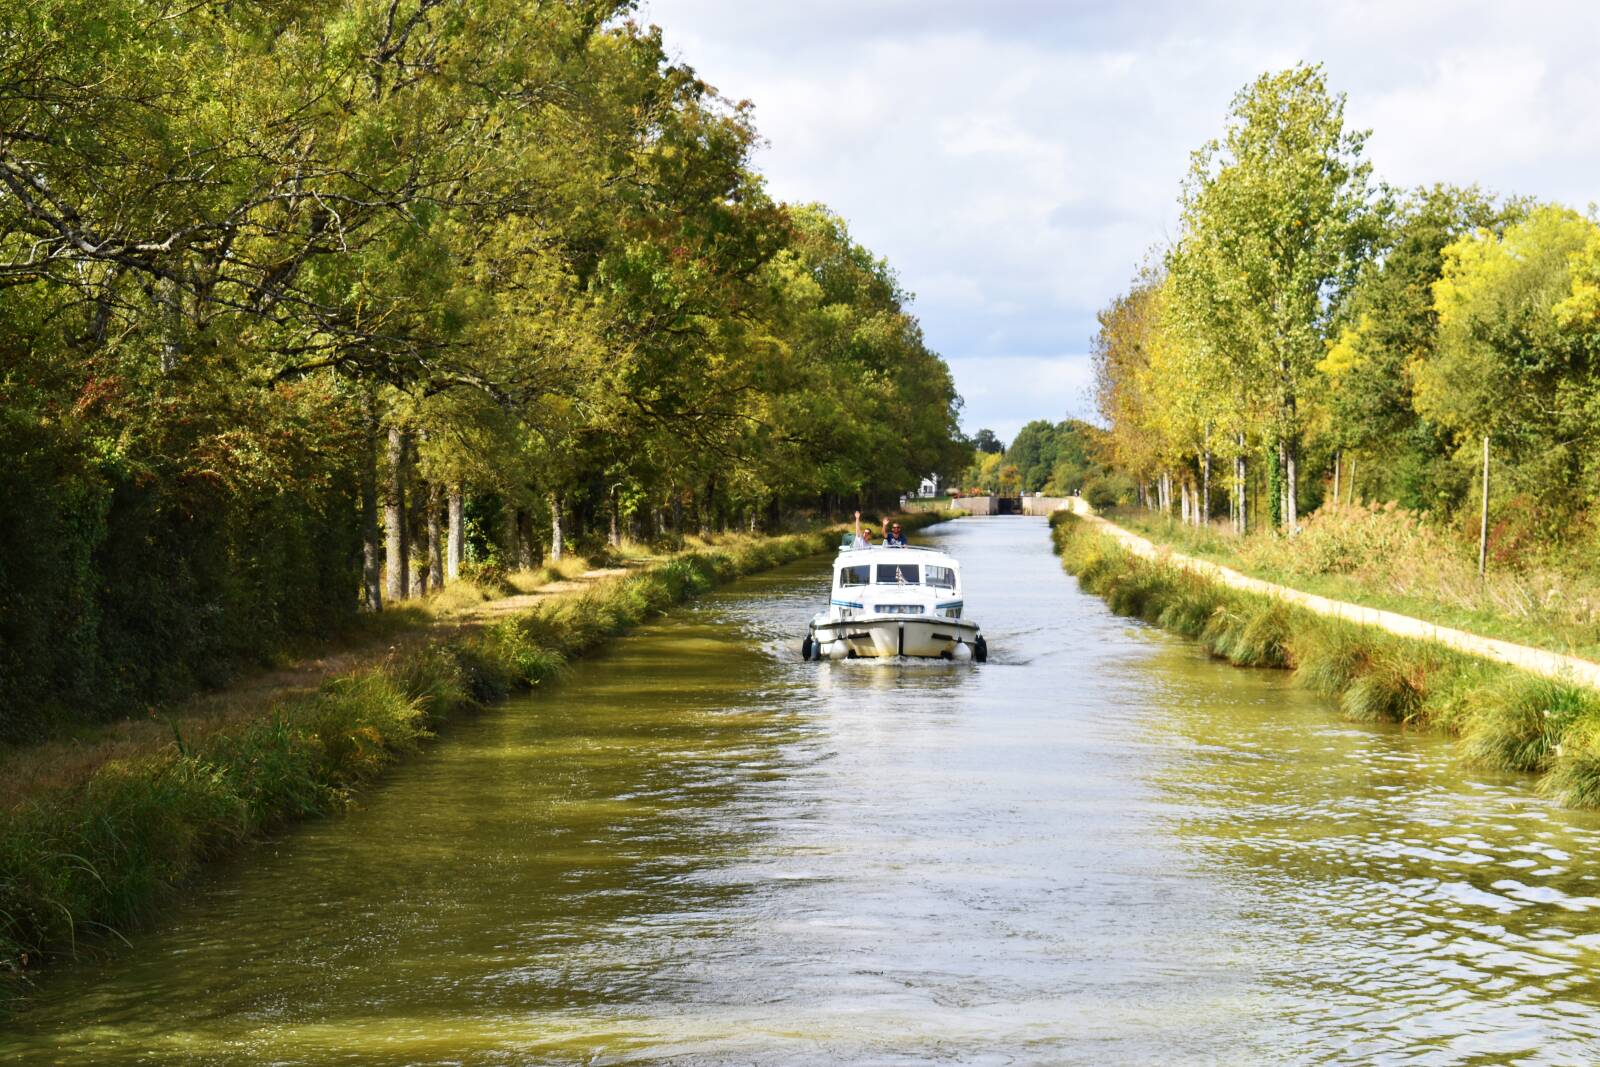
(893, 600)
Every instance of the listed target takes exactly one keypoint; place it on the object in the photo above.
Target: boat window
(861, 575)
(900, 609)
(899, 574)
(941, 577)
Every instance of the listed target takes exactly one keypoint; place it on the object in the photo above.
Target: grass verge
(1422, 577)
(84, 863)
(1504, 719)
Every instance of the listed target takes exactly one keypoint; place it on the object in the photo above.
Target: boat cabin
(895, 580)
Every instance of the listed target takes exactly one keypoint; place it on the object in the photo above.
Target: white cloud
(1015, 160)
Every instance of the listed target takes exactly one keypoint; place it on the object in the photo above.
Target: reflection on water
(1418, 912)
(1100, 847)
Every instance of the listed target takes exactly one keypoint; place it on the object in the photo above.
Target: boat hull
(885, 638)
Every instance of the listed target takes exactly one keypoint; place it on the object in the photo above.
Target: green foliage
(522, 237)
(1518, 723)
(1330, 657)
(1389, 687)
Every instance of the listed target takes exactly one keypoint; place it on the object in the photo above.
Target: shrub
(1517, 723)
(1574, 779)
(1329, 656)
(1389, 689)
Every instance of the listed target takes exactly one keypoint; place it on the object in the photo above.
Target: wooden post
(1483, 522)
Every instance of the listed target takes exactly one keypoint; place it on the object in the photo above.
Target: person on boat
(863, 534)
(892, 535)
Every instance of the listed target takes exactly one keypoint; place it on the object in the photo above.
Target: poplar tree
(1277, 217)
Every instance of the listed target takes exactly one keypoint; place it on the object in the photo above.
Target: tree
(985, 441)
(1512, 362)
(1388, 327)
(1277, 219)
(1033, 452)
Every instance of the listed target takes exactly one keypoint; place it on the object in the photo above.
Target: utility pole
(1483, 523)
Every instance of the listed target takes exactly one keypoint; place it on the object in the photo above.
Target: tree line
(1313, 336)
(1056, 459)
(304, 305)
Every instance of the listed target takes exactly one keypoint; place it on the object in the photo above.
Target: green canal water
(1099, 847)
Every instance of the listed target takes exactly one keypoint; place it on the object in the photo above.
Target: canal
(1099, 847)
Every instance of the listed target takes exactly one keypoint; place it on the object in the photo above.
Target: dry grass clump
(1390, 687)
(1327, 658)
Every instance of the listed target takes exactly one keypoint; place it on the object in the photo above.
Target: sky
(1016, 160)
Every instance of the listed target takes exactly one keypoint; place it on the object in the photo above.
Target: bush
(1517, 723)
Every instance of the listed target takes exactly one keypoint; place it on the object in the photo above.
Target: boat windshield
(899, 574)
(941, 577)
(861, 575)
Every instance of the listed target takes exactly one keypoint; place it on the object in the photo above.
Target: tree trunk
(1483, 522)
(708, 507)
(371, 535)
(396, 550)
(1275, 482)
(1291, 485)
(1338, 462)
(525, 540)
(555, 527)
(456, 551)
(1353, 498)
(1240, 472)
(1183, 494)
(1205, 488)
(435, 537)
(614, 537)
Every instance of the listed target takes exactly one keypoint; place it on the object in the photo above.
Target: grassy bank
(1390, 559)
(81, 863)
(1504, 719)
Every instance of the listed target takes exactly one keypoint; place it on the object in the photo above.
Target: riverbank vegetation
(84, 861)
(1315, 339)
(308, 307)
(1505, 720)
(1389, 558)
